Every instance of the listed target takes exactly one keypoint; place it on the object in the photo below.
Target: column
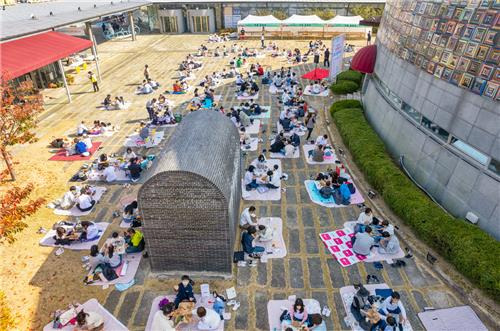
(88, 26)
(61, 68)
(132, 25)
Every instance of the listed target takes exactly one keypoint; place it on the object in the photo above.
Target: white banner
(337, 56)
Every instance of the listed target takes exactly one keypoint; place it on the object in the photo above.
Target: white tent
(255, 21)
(304, 20)
(344, 20)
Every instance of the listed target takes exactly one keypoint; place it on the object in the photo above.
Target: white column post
(61, 68)
(93, 49)
(132, 25)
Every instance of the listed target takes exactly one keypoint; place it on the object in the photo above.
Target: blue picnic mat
(315, 196)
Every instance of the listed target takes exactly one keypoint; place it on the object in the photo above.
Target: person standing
(310, 121)
(262, 40)
(369, 38)
(93, 79)
(242, 33)
(326, 60)
(146, 72)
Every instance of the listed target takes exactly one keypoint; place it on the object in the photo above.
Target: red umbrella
(364, 59)
(316, 74)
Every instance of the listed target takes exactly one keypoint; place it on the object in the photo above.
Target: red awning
(316, 74)
(21, 56)
(364, 59)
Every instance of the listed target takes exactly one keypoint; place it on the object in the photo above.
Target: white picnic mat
(95, 175)
(249, 97)
(110, 322)
(99, 191)
(271, 194)
(296, 155)
(266, 114)
(136, 141)
(274, 310)
(163, 125)
(107, 133)
(299, 131)
(133, 264)
(347, 293)
(307, 91)
(253, 128)
(274, 90)
(254, 143)
(190, 327)
(310, 147)
(276, 247)
(48, 239)
(451, 319)
(126, 106)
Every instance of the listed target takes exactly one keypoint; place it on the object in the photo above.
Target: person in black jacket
(184, 291)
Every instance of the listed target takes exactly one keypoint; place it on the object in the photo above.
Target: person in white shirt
(392, 307)
(289, 149)
(365, 217)
(250, 179)
(388, 244)
(84, 202)
(322, 140)
(273, 180)
(208, 318)
(82, 129)
(129, 154)
(117, 241)
(248, 218)
(69, 199)
(90, 231)
(162, 320)
(266, 233)
(109, 174)
(89, 321)
(87, 141)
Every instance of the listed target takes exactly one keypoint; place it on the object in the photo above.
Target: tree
(18, 116)
(323, 13)
(6, 317)
(367, 11)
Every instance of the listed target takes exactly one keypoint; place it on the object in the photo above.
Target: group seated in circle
(97, 128)
(130, 163)
(205, 100)
(147, 86)
(68, 233)
(251, 236)
(78, 146)
(318, 87)
(237, 62)
(285, 145)
(79, 197)
(296, 317)
(336, 184)
(321, 150)
(247, 87)
(118, 103)
(259, 174)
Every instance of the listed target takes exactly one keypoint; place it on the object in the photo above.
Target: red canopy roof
(21, 56)
(316, 74)
(364, 59)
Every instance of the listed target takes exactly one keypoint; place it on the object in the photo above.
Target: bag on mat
(351, 187)
(238, 256)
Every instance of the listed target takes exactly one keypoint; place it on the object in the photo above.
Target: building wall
(455, 180)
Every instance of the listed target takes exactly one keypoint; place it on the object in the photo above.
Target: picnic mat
(133, 264)
(275, 248)
(249, 97)
(296, 155)
(104, 134)
(274, 90)
(451, 319)
(110, 322)
(126, 106)
(99, 191)
(95, 175)
(253, 128)
(315, 197)
(48, 239)
(136, 141)
(266, 114)
(338, 243)
(254, 143)
(163, 125)
(271, 194)
(327, 160)
(307, 91)
(347, 293)
(274, 310)
(299, 131)
(190, 327)
(60, 155)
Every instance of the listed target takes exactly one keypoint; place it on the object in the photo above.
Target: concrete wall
(457, 182)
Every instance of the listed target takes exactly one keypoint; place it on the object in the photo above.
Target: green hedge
(471, 250)
(344, 87)
(354, 76)
(342, 104)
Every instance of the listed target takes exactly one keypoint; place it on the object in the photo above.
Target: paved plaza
(42, 282)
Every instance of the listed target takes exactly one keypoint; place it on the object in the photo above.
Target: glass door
(200, 23)
(170, 24)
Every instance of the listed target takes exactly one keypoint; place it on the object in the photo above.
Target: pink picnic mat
(61, 154)
(338, 242)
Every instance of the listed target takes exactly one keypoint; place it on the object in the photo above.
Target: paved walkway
(307, 271)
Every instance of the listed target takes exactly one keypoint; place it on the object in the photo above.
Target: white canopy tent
(252, 20)
(304, 21)
(344, 21)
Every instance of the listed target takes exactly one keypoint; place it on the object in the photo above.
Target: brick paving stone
(304, 196)
(410, 311)
(112, 300)
(127, 306)
(101, 216)
(241, 319)
(339, 308)
(291, 217)
(262, 273)
(315, 272)
(414, 274)
(353, 274)
(337, 218)
(279, 296)
(277, 273)
(143, 271)
(371, 270)
(243, 275)
(263, 211)
(323, 301)
(293, 241)
(291, 181)
(276, 211)
(311, 239)
(420, 300)
(114, 197)
(296, 275)
(395, 277)
(141, 316)
(335, 272)
(262, 321)
(324, 217)
(290, 195)
(307, 217)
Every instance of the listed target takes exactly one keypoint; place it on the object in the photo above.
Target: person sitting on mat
(392, 306)
(289, 149)
(247, 242)
(250, 179)
(64, 237)
(109, 173)
(327, 191)
(209, 319)
(107, 102)
(245, 138)
(145, 88)
(68, 200)
(81, 129)
(245, 120)
(315, 323)
(278, 144)
(89, 231)
(184, 291)
(162, 320)
(84, 202)
(248, 218)
(322, 140)
(317, 154)
(130, 211)
(363, 242)
(364, 218)
(134, 240)
(388, 244)
(272, 180)
(260, 163)
(109, 256)
(345, 193)
(265, 233)
(134, 169)
(117, 241)
(89, 320)
(295, 315)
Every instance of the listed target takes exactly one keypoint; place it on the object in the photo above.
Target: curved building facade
(434, 99)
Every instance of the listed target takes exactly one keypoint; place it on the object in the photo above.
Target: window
(494, 166)
(441, 133)
(470, 151)
(415, 115)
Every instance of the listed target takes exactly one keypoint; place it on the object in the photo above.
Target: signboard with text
(337, 56)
